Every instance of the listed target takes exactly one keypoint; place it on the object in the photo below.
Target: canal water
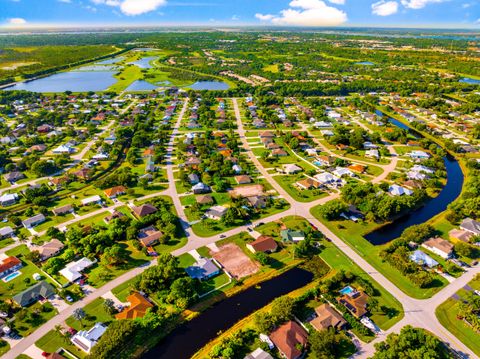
(187, 339)
(431, 208)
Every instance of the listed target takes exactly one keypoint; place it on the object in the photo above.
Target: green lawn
(27, 325)
(287, 182)
(447, 315)
(352, 233)
(95, 313)
(52, 341)
(4, 347)
(186, 260)
(124, 289)
(213, 283)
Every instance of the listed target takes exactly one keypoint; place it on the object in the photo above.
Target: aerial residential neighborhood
(237, 192)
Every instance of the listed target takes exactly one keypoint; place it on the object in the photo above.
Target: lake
(113, 60)
(76, 81)
(470, 81)
(430, 209)
(365, 63)
(141, 85)
(187, 339)
(144, 63)
(399, 124)
(209, 85)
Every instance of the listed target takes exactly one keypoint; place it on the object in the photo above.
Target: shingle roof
(28, 296)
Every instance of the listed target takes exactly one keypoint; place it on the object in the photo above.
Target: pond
(399, 124)
(365, 63)
(470, 81)
(113, 60)
(144, 63)
(76, 81)
(141, 85)
(430, 209)
(209, 85)
(184, 341)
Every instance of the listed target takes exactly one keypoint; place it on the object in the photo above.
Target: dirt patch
(235, 262)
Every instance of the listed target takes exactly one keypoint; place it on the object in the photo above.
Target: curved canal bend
(430, 209)
(191, 336)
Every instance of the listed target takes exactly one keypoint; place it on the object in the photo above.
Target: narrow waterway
(187, 339)
(436, 205)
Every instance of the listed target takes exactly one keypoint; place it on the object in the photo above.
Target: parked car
(222, 236)
(68, 298)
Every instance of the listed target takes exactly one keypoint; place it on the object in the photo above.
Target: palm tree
(59, 330)
(109, 306)
(79, 314)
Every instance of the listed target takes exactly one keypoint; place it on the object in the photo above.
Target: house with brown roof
(115, 191)
(68, 208)
(356, 302)
(278, 152)
(243, 179)
(84, 174)
(327, 317)
(204, 199)
(149, 236)
(265, 244)
(114, 215)
(439, 246)
(137, 309)
(50, 249)
(9, 265)
(460, 235)
(144, 210)
(290, 339)
(308, 183)
(257, 201)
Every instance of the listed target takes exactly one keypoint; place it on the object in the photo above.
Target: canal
(187, 339)
(430, 209)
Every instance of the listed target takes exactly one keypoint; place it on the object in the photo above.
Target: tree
(79, 314)
(34, 256)
(262, 258)
(264, 322)
(411, 343)
(159, 277)
(333, 209)
(118, 335)
(109, 306)
(182, 292)
(282, 309)
(326, 343)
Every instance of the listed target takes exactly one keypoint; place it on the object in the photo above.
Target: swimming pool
(11, 276)
(347, 290)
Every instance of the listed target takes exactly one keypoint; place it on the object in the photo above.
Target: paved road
(418, 313)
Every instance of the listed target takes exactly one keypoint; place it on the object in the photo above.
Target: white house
(90, 200)
(8, 199)
(372, 154)
(216, 212)
(63, 149)
(291, 168)
(87, 339)
(396, 190)
(419, 155)
(341, 171)
(73, 270)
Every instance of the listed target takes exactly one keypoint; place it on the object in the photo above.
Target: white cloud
(384, 8)
(419, 4)
(235, 18)
(338, 2)
(16, 21)
(307, 13)
(266, 17)
(133, 7)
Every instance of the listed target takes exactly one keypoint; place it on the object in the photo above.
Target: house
(9, 265)
(86, 339)
(41, 290)
(33, 221)
(216, 212)
(257, 201)
(308, 183)
(204, 199)
(14, 176)
(203, 269)
(200, 188)
(83, 174)
(327, 317)
(439, 246)
(137, 309)
(461, 235)
(114, 215)
(470, 225)
(326, 178)
(369, 146)
(144, 210)
(91, 200)
(396, 190)
(372, 154)
(292, 169)
(341, 172)
(258, 353)
(6, 232)
(62, 149)
(289, 235)
(355, 301)
(8, 199)
(193, 178)
(265, 244)
(149, 236)
(423, 259)
(243, 179)
(50, 249)
(278, 152)
(419, 155)
(73, 270)
(115, 191)
(68, 208)
(290, 339)
(237, 169)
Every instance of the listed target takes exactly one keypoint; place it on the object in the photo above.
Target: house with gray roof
(471, 225)
(203, 269)
(33, 221)
(34, 293)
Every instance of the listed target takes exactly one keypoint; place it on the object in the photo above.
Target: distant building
(289, 235)
(327, 317)
(68, 208)
(73, 270)
(439, 246)
(258, 353)
(115, 191)
(50, 249)
(216, 212)
(203, 269)
(421, 258)
(290, 339)
(6, 232)
(265, 244)
(41, 290)
(149, 236)
(470, 225)
(137, 309)
(33, 221)
(144, 210)
(8, 199)
(91, 200)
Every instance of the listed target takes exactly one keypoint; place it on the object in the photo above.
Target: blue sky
(409, 13)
